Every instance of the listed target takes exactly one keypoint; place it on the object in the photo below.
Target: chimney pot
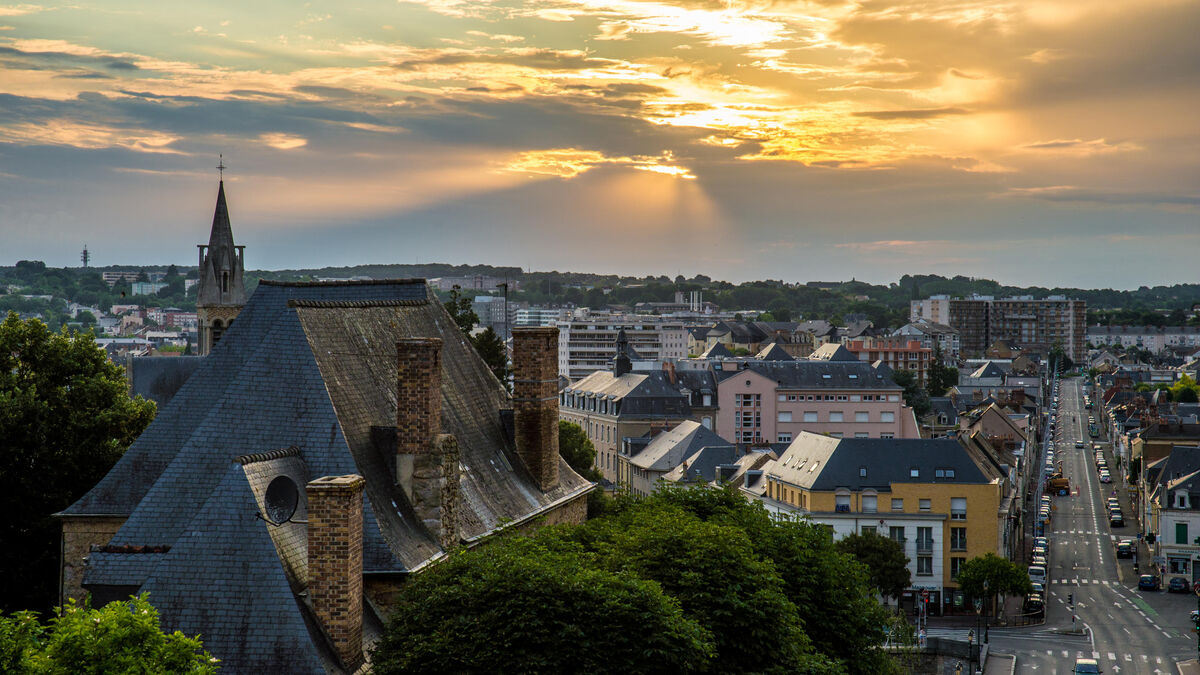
(535, 402)
(335, 586)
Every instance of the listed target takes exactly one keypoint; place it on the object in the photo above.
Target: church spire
(221, 293)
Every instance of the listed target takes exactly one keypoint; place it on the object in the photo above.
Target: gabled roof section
(989, 369)
(773, 352)
(832, 351)
(702, 465)
(671, 447)
(806, 374)
(717, 351)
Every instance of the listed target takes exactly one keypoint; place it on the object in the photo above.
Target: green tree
(121, 637)
(460, 310)
(65, 419)
(578, 450)
(1185, 390)
(86, 318)
(941, 377)
(515, 606)
(493, 352)
(914, 396)
(884, 559)
(1003, 577)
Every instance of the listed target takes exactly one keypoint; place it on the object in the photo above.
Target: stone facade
(212, 321)
(335, 554)
(78, 537)
(535, 402)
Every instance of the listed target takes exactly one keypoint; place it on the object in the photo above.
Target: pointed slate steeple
(222, 291)
(621, 362)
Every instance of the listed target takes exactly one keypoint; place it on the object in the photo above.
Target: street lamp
(985, 617)
(970, 649)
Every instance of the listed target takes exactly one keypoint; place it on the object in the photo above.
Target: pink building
(897, 353)
(774, 401)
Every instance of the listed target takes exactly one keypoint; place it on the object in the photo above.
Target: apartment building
(942, 499)
(896, 353)
(540, 316)
(1153, 338)
(585, 345)
(775, 401)
(933, 336)
(1032, 324)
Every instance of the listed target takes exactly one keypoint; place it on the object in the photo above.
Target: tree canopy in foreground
(687, 580)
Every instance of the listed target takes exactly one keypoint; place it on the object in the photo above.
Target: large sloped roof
(311, 368)
(671, 447)
(806, 374)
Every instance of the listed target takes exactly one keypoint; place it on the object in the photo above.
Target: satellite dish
(281, 500)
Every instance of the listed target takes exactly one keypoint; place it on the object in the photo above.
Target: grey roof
(943, 405)
(309, 367)
(832, 351)
(818, 462)
(157, 378)
(817, 327)
(702, 465)
(773, 352)
(989, 369)
(717, 351)
(640, 394)
(804, 374)
(859, 328)
(671, 447)
(220, 256)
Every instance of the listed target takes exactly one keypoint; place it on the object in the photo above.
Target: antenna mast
(85, 256)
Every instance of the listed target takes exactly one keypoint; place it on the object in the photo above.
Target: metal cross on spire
(221, 166)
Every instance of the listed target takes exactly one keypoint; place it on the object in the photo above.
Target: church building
(222, 291)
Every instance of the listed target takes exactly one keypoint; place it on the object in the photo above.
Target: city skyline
(1049, 144)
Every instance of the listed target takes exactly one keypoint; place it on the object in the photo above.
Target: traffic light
(1070, 598)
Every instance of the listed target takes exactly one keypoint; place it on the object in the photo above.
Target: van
(1037, 574)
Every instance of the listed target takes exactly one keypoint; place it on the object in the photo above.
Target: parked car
(1078, 445)
(1039, 590)
(1039, 561)
(1041, 541)
(1114, 503)
(1037, 574)
(1124, 549)
(1179, 585)
(1034, 604)
(1086, 667)
(1039, 552)
(1105, 477)
(1148, 582)
(1115, 519)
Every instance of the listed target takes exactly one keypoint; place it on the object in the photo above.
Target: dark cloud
(918, 114)
(35, 60)
(542, 59)
(84, 75)
(1108, 197)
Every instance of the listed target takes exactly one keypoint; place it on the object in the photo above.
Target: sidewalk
(1001, 664)
(1012, 607)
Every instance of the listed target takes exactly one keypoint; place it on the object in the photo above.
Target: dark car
(1034, 604)
(1116, 519)
(1148, 582)
(1179, 585)
(1124, 550)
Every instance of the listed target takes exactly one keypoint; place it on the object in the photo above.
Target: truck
(1058, 484)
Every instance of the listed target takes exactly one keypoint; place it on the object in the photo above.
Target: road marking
(1112, 656)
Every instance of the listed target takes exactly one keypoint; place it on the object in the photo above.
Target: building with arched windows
(222, 291)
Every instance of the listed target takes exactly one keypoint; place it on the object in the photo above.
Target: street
(1127, 630)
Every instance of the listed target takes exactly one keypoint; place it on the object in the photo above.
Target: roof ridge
(348, 282)
(290, 451)
(334, 304)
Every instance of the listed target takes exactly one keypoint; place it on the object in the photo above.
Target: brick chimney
(535, 402)
(426, 460)
(335, 584)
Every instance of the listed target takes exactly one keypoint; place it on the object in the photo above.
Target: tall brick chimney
(535, 402)
(426, 460)
(335, 560)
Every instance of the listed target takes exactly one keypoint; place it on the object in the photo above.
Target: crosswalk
(1114, 661)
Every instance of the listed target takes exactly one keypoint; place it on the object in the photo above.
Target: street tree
(914, 396)
(65, 419)
(515, 606)
(884, 559)
(941, 377)
(1003, 577)
(121, 637)
(493, 352)
(460, 310)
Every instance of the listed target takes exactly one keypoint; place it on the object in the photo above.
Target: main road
(1127, 630)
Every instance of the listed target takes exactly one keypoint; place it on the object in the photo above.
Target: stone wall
(78, 537)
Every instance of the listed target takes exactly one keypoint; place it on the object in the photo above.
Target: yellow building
(942, 499)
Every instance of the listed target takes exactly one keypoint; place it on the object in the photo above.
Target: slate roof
(717, 351)
(702, 465)
(671, 447)
(310, 367)
(832, 351)
(804, 374)
(641, 394)
(818, 462)
(989, 369)
(157, 378)
(773, 352)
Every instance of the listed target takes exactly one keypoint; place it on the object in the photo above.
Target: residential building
(386, 433)
(146, 287)
(540, 316)
(1172, 496)
(1034, 324)
(942, 499)
(774, 401)
(934, 336)
(1155, 441)
(475, 282)
(1157, 339)
(113, 277)
(585, 344)
(643, 462)
(895, 353)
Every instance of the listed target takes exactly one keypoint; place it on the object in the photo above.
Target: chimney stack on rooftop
(427, 461)
(335, 559)
(535, 402)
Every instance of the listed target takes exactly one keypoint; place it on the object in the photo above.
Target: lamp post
(985, 618)
(971, 649)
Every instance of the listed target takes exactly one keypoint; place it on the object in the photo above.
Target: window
(854, 397)
(893, 397)
(842, 397)
(925, 504)
(784, 438)
(810, 416)
(897, 504)
(861, 434)
(835, 434)
(1181, 533)
(914, 472)
(887, 416)
(924, 538)
(868, 529)
(862, 472)
(841, 503)
(896, 534)
(887, 434)
(862, 416)
(956, 566)
(958, 508)
(785, 416)
(870, 504)
(924, 566)
(958, 539)
(782, 397)
(835, 416)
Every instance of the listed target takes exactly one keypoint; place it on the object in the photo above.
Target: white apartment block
(1153, 338)
(540, 316)
(588, 345)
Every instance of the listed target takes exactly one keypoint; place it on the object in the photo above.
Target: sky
(1040, 142)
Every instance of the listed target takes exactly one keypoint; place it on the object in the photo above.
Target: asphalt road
(1127, 630)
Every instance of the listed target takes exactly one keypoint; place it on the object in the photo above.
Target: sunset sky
(1050, 142)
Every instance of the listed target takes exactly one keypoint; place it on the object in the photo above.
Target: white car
(1104, 477)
